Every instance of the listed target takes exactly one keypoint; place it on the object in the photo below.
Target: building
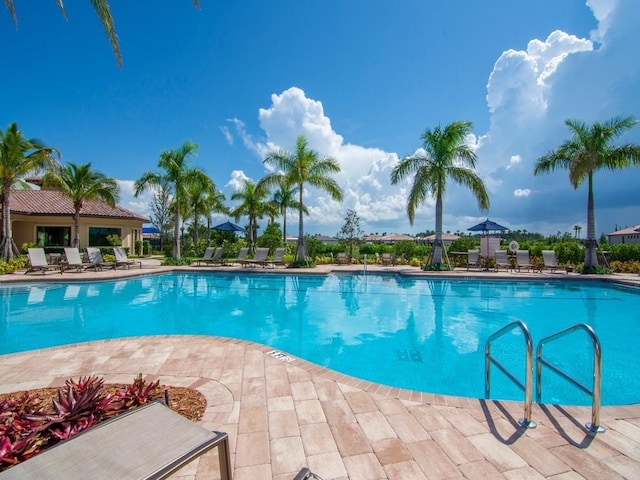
(629, 236)
(45, 217)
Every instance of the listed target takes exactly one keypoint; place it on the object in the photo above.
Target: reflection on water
(424, 334)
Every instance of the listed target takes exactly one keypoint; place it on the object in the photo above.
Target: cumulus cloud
(531, 91)
(141, 203)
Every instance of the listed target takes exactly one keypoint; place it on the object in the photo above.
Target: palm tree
(589, 149)
(446, 155)
(305, 166)
(284, 197)
(253, 204)
(81, 184)
(177, 176)
(19, 157)
(104, 14)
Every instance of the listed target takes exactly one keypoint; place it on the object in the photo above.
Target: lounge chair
(38, 262)
(95, 257)
(278, 257)
(259, 257)
(388, 259)
(211, 255)
(523, 261)
(342, 258)
(551, 262)
(122, 260)
(151, 441)
(74, 261)
(502, 260)
(473, 259)
(242, 256)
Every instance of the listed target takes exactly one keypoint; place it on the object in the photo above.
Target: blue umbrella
(228, 227)
(487, 226)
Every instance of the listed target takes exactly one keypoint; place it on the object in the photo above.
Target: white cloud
(141, 203)
(514, 160)
(521, 192)
(227, 134)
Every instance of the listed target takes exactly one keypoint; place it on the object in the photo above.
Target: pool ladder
(593, 426)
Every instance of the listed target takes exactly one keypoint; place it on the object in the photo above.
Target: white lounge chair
(121, 258)
(74, 261)
(523, 260)
(551, 262)
(502, 260)
(95, 257)
(473, 259)
(38, 261)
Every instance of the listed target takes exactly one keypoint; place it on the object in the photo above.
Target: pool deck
(284, 415)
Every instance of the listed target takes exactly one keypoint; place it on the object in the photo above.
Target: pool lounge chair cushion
(38, 262)
(148, 442)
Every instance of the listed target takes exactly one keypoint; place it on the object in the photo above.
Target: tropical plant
(253, 204)
(104, 14)
(82, 184)
(176, 176)
(590, 149)
(19, 157)
(161, 213)
(304, 166)
(445, 155)
(199, 202)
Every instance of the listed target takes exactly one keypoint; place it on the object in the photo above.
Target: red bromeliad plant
(25, 429)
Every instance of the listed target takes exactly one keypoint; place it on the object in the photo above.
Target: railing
(528, 385)
(594, 392)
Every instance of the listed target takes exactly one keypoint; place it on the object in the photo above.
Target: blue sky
(362, 79)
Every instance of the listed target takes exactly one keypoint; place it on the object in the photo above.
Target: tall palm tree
(305, 166)
(446, 155)
(19, 157)
(590, 149)
(203, 199)
(177, 175)
(253, 204)
(81, 184)
(283, 198)
(104, 14)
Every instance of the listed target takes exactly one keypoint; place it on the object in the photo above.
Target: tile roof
(626, 231)
(54, 202)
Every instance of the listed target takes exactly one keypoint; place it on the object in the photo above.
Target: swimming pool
(416, 333)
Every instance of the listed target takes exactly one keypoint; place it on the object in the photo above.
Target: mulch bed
(187, 402)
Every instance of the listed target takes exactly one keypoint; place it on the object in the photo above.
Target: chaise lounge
(38, 262)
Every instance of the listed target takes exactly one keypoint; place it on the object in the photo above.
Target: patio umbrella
(487, 226)
(228, 227)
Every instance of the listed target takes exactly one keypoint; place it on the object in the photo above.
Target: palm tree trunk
(76, 227)
(7, 240)
(437, 244)
(195, 231)
(176, 235)
(591, 255)
(301, 252)
(284, 226)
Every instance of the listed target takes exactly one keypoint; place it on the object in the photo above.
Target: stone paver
(284, 416)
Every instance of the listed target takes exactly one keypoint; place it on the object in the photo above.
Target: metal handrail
(528, 385)
(594, 392)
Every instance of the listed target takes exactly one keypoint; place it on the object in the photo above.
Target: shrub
(26, 428)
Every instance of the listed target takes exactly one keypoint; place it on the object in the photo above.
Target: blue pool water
(421, 334)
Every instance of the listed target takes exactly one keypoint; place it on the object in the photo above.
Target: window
(98, 236)
(53, 236)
